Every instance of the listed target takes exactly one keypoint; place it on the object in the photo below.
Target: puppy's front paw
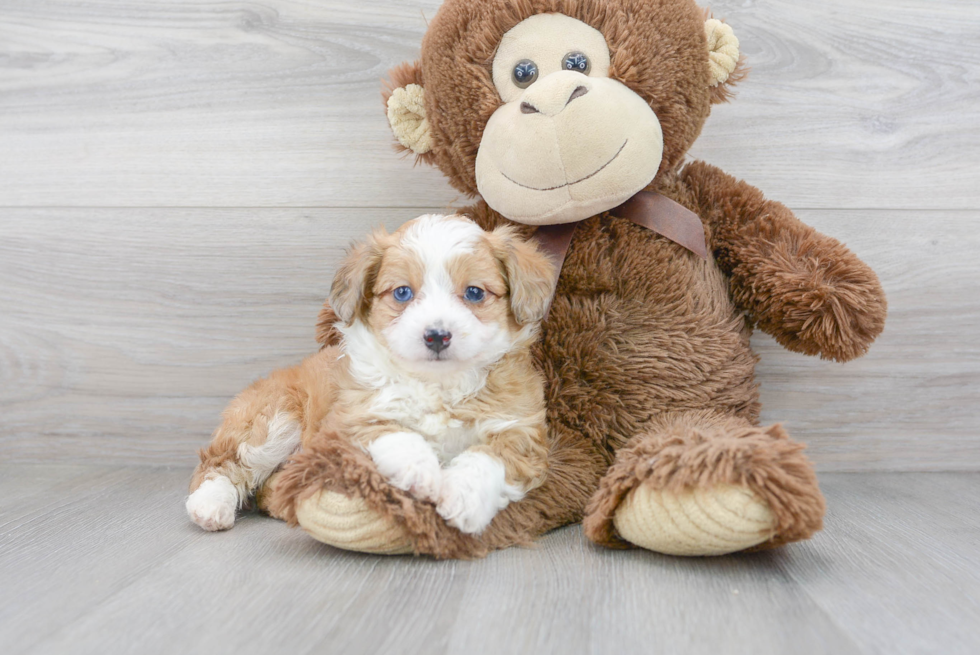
(212, 505)
(474, 489)
(409, 463)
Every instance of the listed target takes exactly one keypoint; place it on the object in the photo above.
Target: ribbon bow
(647, 209)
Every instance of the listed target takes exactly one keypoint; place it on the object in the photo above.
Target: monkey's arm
(807, 290)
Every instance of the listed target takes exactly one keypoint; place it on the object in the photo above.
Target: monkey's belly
(617, 362)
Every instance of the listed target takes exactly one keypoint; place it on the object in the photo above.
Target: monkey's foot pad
(348, 523)
(713, 521)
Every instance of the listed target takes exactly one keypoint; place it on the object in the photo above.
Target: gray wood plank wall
(178, 180)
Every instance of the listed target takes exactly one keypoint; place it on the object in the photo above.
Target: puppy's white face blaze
(437, 326)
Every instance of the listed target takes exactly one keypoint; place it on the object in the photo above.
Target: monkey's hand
(807, 290)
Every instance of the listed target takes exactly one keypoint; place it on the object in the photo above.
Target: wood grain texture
(125, 332)
(104, 560)
(870, 104)
(913, 402)
(897, 540)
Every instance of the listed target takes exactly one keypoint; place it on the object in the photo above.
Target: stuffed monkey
(572, 119)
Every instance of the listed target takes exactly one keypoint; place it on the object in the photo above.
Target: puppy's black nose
(437, 340)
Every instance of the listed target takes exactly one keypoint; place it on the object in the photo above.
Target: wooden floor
(103, 560)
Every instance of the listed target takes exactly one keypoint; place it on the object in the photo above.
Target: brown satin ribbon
(647, 209)
(666, 217)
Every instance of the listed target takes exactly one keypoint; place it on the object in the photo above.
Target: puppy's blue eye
(403, 294)
(474, 294)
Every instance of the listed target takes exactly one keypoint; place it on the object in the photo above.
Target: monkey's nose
(550, 95)
(577, 93)
(437, 340)
(528, 108)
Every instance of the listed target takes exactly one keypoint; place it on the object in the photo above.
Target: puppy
(433, 377)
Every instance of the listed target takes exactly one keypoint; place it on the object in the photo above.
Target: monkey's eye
(525, 72)
(403, 294)
(474, 294)
(576, 61)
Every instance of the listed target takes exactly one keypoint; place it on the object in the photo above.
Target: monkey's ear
(404, 98)
(727, 65)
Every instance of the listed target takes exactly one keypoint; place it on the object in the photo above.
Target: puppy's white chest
(423, 410)
(437, 423)
(448, 436)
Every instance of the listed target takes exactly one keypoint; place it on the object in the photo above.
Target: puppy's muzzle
(437, 340)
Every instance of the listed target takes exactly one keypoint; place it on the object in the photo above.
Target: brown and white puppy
(433, 377)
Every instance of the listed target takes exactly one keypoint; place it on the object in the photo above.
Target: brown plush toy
(576, 115)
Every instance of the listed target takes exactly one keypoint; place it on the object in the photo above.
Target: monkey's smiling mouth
(562, 186)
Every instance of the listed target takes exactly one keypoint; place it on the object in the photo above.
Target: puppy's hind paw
(212, 505)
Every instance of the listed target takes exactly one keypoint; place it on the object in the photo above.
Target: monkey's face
(569, 141)
(557, 110)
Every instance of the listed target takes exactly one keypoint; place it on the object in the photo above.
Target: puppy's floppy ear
(351, 288)
(530, 274)
(326, 333)
(404, 98)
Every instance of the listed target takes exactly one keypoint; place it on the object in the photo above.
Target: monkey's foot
(703, 484)
(348, 523)
(700, 521)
